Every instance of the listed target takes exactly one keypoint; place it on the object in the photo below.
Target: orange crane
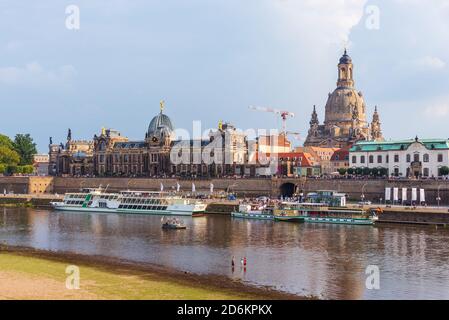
(284, 115)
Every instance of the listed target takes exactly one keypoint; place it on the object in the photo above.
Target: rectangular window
(440, 157)
(362, 159)
(354, 159)
(396, 158)
(379, 159)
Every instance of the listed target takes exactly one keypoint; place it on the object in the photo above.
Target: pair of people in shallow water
(242, 262)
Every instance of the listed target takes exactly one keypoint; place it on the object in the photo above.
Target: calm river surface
(328, 261)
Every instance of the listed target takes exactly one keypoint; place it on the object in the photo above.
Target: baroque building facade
(159, 154)
(345, 119)
(74, 158)
(404, 158)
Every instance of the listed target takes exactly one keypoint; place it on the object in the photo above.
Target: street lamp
(438, 196)
(362, 196)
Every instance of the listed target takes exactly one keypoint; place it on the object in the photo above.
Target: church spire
(345, 68)
(376, 132)
(314, 119)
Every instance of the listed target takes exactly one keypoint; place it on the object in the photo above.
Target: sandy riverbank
(27, 273)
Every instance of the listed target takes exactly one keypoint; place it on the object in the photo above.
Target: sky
(210, 60)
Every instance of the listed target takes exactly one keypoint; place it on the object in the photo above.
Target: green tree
(11, 169)
(2, 168)
(375, 171)
(5, 141)
(8, 156)
(366, 171)
(358, 171)
(444, 171)
(25, 147)
(383, 172)
(28, 169)
(342, 171)
(351, 171)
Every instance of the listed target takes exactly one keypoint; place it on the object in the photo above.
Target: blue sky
(210, 60)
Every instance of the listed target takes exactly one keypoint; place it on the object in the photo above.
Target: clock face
(154, 139)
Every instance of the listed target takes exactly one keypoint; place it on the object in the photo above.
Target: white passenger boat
(131, 202)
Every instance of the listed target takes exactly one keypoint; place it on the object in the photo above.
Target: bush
(342, 171)
(350, 171)
(375, 171)
(444, 171)
(11, 169)
(383, 172)
(358, 171)
(28, 169)
(366, 171)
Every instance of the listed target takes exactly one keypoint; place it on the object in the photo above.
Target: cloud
(329, 21)
(33, 74)
(429, 62)
(437, 109)
(13, 46)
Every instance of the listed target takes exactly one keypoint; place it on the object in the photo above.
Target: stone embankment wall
(24, 185)
(372, 189)
(244, 187)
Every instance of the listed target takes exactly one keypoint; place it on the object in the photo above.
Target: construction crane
(284, 115)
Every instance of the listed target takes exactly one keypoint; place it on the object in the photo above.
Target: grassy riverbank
(31, 274)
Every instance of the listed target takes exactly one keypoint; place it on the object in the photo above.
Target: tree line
(16, 156)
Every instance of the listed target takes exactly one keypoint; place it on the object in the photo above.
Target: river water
(326, 261)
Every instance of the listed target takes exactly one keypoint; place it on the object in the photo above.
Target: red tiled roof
(341, 154)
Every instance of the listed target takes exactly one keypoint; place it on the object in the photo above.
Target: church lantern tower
(345, 72)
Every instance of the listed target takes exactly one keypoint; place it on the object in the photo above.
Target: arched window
(416, 157)
(408, 158)
(426, 158)
(371, 159)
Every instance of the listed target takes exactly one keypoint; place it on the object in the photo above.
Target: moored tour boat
(130, 202)
(326, 207)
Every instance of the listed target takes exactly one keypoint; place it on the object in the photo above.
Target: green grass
(118, 284)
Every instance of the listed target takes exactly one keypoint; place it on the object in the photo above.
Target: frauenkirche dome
(345, 114)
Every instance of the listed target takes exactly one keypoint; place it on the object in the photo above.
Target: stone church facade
(345, 119)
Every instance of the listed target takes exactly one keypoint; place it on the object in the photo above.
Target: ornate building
(345, 114)
(74, 158)
(224, 152)
(115, 155)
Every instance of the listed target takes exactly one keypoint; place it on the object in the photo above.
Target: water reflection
(328, 261)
